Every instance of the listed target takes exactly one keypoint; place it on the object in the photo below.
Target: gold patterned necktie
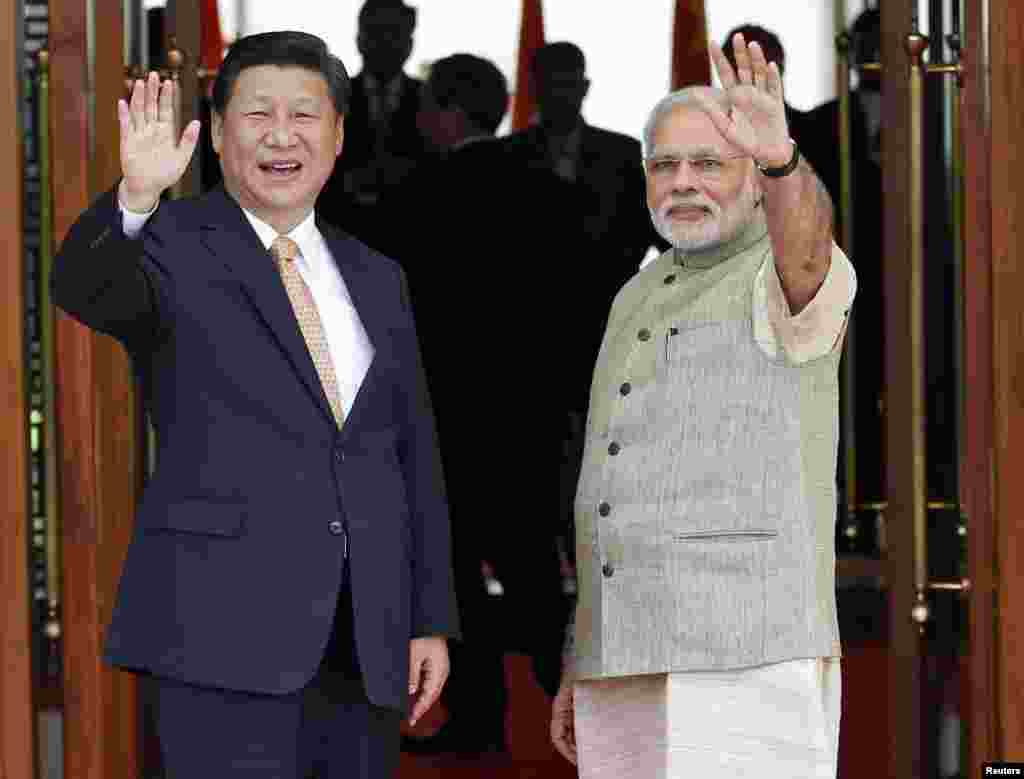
(285, 250)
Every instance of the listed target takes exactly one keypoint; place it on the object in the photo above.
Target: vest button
(604, 509)
(614, 448)
(335, 528)
(670, 278)
(607, 570)
(644, 335)
(625, 389)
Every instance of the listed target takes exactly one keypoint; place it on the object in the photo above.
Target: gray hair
(686, 97)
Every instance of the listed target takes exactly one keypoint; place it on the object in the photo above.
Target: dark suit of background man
(463, 101)
(288, 584)
(382, 142)
(607, 215)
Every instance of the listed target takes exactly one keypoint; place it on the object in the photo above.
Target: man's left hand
(428, 671)
(757, 122)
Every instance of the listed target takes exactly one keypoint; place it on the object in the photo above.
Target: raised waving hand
(757, 123)
(152, 158)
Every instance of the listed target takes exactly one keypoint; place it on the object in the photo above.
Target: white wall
(628, 45)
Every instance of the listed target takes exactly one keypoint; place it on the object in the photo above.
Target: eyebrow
(697, 151)
(299, 102)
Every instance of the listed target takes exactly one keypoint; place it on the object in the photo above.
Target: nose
(281, 134)
(685, 181)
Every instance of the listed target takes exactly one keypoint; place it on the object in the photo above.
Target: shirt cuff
(132, 222)
(819, 327)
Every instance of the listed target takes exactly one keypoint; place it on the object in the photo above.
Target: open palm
(152, 158)
(757, 123)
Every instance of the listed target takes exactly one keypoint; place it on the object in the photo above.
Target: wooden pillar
(95, 408)
(17, 718)
(978, 463)
(1006, 49)
(903, 421)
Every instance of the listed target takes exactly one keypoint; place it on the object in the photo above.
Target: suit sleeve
(108, 281)
(434, 610)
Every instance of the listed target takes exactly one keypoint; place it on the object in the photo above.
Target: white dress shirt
(351, 350)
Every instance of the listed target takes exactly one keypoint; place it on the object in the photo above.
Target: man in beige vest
(705, 642)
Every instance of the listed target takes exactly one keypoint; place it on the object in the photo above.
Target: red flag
(531, 38)
(690, 60)
(212, 37)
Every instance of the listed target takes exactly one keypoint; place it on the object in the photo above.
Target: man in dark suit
(607, 215)
(288, 584)
(382, 142)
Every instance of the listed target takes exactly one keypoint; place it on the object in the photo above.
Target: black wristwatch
(785, 170)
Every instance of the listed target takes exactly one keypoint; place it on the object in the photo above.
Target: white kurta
(778, 721)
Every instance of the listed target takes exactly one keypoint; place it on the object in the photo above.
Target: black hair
(558, 57)
(766, 39)
(407, 11)
(866, 36)
(284, 49)
(471, 83)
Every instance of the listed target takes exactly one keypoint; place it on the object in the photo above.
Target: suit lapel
(229, 235)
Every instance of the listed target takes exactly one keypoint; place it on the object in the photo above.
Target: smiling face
(701, 191)
(278, 140)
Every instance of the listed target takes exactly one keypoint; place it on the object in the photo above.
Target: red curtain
(531, 38)
(690, 61)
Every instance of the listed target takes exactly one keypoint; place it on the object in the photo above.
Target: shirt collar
(305, 234)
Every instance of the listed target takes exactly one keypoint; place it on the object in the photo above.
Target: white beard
(721, 225)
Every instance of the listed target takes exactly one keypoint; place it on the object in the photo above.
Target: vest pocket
(722, 599)
(727, 535)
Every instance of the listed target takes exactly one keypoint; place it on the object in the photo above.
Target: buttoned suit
(259, 503)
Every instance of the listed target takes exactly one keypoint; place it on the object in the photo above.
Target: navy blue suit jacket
(236, 561)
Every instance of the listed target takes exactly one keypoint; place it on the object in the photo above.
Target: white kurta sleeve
(816, 330)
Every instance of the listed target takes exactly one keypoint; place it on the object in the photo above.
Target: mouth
(688, 212)
(283, 169)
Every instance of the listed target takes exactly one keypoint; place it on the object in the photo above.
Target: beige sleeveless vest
(705, 511)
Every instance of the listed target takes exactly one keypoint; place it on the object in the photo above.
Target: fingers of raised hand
(152, 96)
(726, 74)
(741, 53)
(137, 104)
(774, 81)
(165, 108)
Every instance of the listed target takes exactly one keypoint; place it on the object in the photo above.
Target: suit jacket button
(339, 455)
(335, 528)
(604, 509)
(644, 335)
(607, 570)
(670, 278)
(625, 389)
(614, 448)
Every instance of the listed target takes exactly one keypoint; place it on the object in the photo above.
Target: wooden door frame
(1004, 555)
(95, 405)
(978, 382)
(992, 491)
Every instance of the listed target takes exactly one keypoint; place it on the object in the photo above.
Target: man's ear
(340, 135)
(217, 131)
(586, 87)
